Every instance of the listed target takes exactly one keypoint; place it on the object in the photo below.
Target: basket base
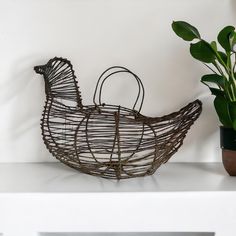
(112, 172)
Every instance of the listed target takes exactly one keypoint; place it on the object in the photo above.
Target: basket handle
(112, 71)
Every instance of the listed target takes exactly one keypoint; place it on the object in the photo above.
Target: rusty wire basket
(107, 140)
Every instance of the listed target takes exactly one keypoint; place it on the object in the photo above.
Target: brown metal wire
(107, 140)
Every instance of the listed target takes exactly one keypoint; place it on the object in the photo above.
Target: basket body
(111, 141)
(107, 140)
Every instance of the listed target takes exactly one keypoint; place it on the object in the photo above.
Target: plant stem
(223, 64)
(218, 68)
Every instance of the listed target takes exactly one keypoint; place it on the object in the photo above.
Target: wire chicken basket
(104, 140)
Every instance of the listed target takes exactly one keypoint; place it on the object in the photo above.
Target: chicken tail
(180, 122)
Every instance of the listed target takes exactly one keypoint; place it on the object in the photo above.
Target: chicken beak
(40, 69)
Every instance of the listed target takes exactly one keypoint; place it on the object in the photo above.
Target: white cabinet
(50, 199)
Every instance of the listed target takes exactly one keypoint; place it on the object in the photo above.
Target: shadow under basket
(107, 140)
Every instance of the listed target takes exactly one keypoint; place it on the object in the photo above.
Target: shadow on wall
(208, 132)
(21, 98)
(15, 85)
(23, 114)
(202, 141)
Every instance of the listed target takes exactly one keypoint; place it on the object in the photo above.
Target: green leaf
(214, 78)
(216, 92)
(232, 110)
(222, 109)
(185, 31)
(202, 51)
(223, 56)
(223, 37)
(232, 41)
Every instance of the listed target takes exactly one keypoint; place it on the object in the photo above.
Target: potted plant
(220, 58)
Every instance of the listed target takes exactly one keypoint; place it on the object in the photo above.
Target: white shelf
(53, 198)
(171, 177)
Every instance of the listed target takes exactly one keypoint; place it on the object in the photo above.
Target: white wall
(95, 34)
